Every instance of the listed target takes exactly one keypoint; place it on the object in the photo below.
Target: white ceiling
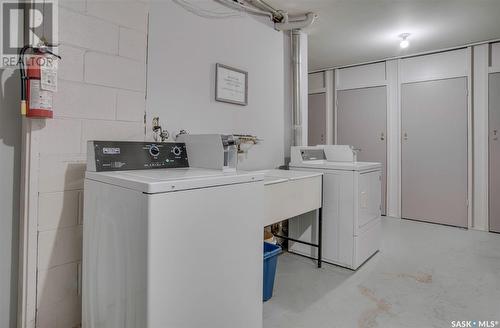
(355, 31)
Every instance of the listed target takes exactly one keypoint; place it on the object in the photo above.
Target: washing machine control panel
(132, 155)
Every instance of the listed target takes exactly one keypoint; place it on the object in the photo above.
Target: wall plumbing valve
(245, 139)
(159, 135)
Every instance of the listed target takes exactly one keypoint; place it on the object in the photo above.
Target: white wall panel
(330, 106)
(73, 58)
(183, 51)
(132, 14)
(393, 140)
(130, 106)
(81, 100)
(433, 67)
(66, 313)
(57, 247)
(495, 55)
(74, 5)
(87, 32)
(58, 210)
(361, 76)
(61, 172)
(316, 81)
(132, 44)
(59, 283)
(115, 71)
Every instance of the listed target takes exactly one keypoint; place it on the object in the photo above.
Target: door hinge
(467, 202)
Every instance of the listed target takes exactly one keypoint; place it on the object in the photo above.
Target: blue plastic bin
(271, 253)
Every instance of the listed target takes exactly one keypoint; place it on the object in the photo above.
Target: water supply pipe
(296, 86)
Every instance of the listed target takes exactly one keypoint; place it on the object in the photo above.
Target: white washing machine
(159, 249)
(351, 205)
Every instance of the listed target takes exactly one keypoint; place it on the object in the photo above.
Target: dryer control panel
(135, 155)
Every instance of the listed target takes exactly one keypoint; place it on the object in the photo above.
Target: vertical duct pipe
(296, 92)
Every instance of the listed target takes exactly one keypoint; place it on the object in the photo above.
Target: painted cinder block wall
(102, 83)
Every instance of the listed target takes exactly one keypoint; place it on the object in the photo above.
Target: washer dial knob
(154, 151)
(176, 151)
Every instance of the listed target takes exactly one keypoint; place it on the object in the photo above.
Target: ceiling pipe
(241, 6)
(294, 24)
(278, 15)
(281, 20)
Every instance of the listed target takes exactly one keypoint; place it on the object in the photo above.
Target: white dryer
(156, 250)
(351, 205)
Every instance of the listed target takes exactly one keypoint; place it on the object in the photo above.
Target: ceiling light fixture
(404, 42)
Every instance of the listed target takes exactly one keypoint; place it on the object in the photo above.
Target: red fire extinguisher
(39, 82)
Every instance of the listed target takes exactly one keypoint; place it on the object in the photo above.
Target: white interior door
(316, 119)
(434, 151)
(494, 153)
(362, 123)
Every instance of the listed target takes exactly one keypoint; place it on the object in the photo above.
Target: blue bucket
(271, 253)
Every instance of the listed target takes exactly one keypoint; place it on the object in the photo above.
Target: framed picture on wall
(231, 85)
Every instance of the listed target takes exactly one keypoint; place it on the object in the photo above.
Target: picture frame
(231, 85)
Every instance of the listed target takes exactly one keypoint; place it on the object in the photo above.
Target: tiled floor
(424, 276)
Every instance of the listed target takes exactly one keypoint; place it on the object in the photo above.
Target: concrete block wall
(102, 83)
